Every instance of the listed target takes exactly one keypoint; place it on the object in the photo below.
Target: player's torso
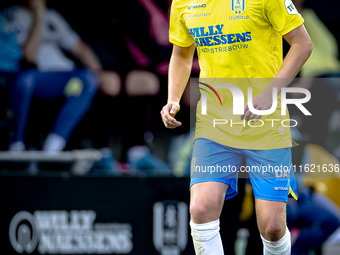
(49, 27)
(50, 56)
(230, 34)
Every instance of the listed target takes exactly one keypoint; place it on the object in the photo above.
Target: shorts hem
(247, 147)
(271, 198)
(225, 181)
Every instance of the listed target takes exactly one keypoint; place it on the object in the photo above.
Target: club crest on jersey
(238, 6)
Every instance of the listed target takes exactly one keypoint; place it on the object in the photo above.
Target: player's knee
(274, 232)
(90, 82)
(25, 81)
(205, 210)
(198, 212)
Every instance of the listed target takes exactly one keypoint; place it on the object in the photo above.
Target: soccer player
(237, 39)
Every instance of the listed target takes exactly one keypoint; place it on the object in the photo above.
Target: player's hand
(262, 101)
(168, 113)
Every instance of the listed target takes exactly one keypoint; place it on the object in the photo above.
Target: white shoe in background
(54, 143)
(18, 146)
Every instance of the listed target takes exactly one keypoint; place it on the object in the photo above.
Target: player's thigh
(271, 174)
(53, 84)
(207, 193)
(271, 180)
(271, 218)
(214, 162)
(213, 178)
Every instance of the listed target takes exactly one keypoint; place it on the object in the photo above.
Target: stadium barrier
(68, 214)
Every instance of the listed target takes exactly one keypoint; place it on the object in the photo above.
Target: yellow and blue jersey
(238, 42)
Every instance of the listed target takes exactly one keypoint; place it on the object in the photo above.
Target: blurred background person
(10, 56)
(43, 33)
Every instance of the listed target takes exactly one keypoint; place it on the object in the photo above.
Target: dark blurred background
(115, 181)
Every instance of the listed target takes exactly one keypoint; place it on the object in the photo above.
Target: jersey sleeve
(178, 33)
(67, 36)
(282, 15)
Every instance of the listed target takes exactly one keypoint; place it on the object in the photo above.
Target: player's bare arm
(31, 45)
(300, 50)
(86, 55)
(179, 72)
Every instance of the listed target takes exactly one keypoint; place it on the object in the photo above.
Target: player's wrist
(173, 101)
(269, 91)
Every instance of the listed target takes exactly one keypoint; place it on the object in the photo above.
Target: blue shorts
(270, 171)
